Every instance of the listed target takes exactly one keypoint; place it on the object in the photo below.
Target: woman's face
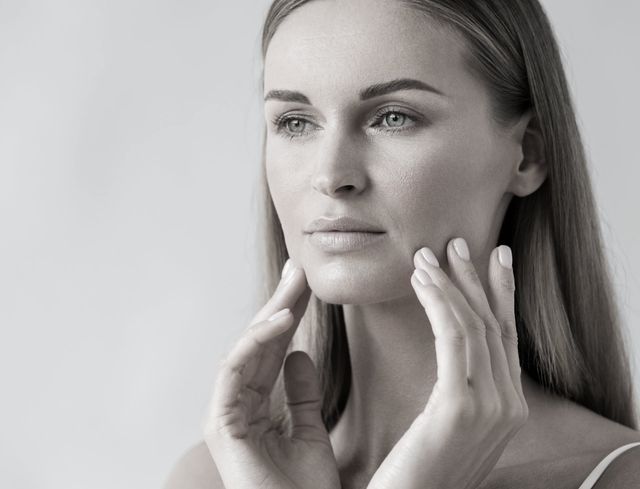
(423, 167)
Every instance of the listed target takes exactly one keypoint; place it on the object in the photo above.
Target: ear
(530, 169)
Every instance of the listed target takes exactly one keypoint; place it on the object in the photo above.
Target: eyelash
(281, 121)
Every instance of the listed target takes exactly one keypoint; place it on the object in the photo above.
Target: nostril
(346, 188)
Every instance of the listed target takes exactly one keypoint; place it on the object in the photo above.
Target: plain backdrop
(129, 148)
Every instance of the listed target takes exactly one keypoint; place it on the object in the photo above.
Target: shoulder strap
(595, 474)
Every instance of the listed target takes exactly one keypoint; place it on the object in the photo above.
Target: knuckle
(252, 330)
(509, 330)
(508, 283)
(312, 405)
(213, 428)
(462, 410)
(217, 426)
(517, 419)
(452, 336)
(228, 370)
(434, 296)
(434, 293)
(514, 414)
(252, 337)
(494, 328)
(477, 324)
(493, 410)
(470, 274)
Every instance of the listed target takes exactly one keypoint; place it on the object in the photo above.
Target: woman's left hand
(477, 404)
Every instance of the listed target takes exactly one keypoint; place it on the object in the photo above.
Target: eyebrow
(368, 93)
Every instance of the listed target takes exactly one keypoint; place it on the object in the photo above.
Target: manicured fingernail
(279, 314)
(460, 245)
(504, 256)
(286, 267)
(429, 256)
(422, 276)
(290, 273)
(287, 271)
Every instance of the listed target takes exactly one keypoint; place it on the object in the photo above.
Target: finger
(478, 358)
(304, 398)
(465, 277)
(502, 299)
(292, 284)
(293, 292)
(450, 341)
(237, 369)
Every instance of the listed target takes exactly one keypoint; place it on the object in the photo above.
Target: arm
(195, 470)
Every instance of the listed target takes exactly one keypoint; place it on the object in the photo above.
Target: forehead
(339, 46)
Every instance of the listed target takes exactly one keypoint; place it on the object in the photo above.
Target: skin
(450, 173)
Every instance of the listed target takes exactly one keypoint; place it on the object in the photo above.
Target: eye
(291, 126)
(395, 120)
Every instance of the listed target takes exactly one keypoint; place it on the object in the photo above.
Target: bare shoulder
(559, 447)
(569, 473)
(623, 472)
(588, 439)
(195, 470)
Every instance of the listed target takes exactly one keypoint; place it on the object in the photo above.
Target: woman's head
(423, 164)
(497, 159)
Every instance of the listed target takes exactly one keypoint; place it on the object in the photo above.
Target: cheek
(280, 177)
(429, 180)
(286, 189)
(443, 188)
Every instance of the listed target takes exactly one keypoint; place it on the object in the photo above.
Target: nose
(339, 170)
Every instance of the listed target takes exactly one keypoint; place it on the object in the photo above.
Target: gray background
(129, 147)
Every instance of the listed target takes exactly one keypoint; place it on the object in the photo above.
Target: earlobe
(531, 169)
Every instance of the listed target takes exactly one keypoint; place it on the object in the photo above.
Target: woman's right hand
(249, 453)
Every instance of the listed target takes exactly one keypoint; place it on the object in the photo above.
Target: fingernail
(289, 274)
(422, 276)
(460, 245)
(504, 256)
(429, 256)
(286, 267)
(279, 314)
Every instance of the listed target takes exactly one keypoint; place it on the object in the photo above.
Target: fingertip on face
(457, 250)
(501, 259)
(504, 256)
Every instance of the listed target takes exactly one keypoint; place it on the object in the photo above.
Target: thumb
(304, 398)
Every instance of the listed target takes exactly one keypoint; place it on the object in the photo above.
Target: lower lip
(343, 240)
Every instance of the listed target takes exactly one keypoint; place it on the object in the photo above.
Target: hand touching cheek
(477, 404)
(238, 429)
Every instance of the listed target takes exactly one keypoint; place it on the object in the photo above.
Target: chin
(357, 290)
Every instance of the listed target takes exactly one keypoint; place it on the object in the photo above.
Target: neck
(393, 365)
(394, 369)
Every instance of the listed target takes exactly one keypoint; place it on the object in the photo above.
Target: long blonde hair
(570, 340)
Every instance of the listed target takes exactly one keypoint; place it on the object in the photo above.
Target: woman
(463, 332)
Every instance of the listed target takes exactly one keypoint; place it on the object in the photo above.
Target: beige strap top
(595, 474)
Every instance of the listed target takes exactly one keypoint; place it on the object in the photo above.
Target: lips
(343, 241)
(342, 224)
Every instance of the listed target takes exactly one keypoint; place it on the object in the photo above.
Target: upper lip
(341, 223)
